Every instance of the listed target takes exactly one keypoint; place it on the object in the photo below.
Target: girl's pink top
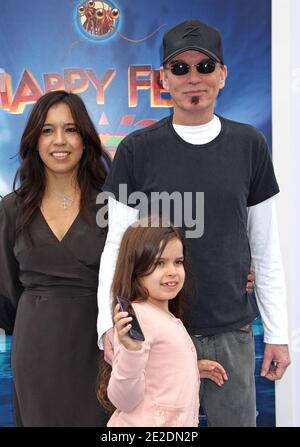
(157, 386)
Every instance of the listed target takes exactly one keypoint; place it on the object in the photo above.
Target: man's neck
(199, 134)
(192, 118)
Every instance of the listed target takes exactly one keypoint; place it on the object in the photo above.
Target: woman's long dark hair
(140, 247)
(30, 177)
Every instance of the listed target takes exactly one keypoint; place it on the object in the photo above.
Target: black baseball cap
(192, 35)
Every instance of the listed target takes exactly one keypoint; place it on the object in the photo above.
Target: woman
(50, 248)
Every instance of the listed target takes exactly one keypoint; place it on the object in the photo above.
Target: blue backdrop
(53, 44)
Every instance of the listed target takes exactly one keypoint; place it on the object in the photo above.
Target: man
(196, 151)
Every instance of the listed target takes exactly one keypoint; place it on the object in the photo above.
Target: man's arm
(120, 217)
(269, 286)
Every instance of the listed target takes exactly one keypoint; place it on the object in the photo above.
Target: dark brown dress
(52, 286)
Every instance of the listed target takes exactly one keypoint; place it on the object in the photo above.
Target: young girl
(154, 382)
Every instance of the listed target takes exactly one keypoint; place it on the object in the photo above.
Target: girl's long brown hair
(142, 243)
(29, 183)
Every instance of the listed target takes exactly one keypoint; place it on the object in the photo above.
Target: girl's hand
(122, 324)
(209, 369)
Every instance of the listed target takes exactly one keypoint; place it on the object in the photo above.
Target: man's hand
(213, 371)
(250, 281)
(108, 345)
(276, 360)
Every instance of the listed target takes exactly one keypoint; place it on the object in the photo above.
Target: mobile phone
(135, 330)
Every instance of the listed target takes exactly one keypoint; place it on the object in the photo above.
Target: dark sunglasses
(181, 68)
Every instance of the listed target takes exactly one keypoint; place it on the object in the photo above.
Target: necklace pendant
(66, 203)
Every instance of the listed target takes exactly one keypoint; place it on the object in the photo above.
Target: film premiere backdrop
(115, 68)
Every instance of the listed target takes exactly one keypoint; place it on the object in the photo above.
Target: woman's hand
(209, 369)
(122, 324)
(250, 281)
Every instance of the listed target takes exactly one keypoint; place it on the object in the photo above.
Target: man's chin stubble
(195, 100)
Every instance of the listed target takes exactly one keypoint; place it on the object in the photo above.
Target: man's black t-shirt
(234, 171)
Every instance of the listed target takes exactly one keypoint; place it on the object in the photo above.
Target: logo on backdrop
(101, 20)
(98, 19)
